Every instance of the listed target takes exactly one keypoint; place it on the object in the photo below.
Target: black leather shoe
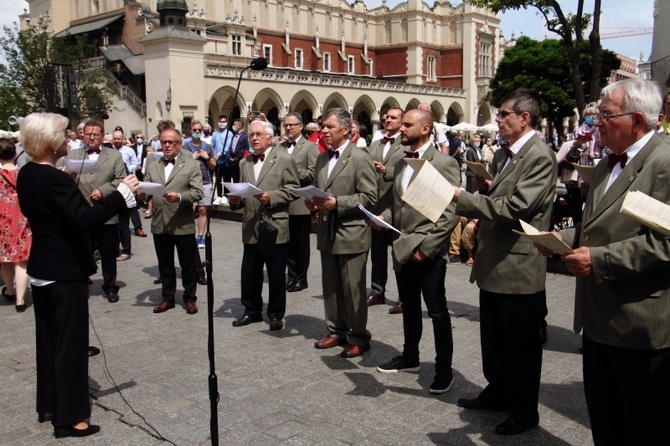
(477, 404)
(112, 297)
(202, 280)
(296, 286)
(513, 427)
(70, 431)
(246, 320)
(375, 299)
(158, 281)
(276, 324)
(92, 351)
(289, 284)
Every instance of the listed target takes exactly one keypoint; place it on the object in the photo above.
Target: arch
(388, 103)
(437, 110)
(158, 111)
(221, 103)
(335, 100)
(412, 104)
(454, 114)
(484, 115)
(304, 102)
(270, 103)
(364, 112)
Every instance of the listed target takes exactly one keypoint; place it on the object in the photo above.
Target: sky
(617, 16)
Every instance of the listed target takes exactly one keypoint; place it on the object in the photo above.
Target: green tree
(571, 29)
(543, 66)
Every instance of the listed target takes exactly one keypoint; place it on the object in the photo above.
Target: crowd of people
(56, 217)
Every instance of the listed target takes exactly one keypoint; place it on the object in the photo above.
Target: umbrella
(443, 127)
(492, 127)
(464, 127)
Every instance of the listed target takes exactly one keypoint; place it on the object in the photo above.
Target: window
(298, 58)
(351, 65)
(267, 53)
(326, 61)
(431, 69)
(485, 60)
(237, 45)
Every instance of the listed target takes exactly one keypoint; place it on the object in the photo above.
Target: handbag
(267, 237)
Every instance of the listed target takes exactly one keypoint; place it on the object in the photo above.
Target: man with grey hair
(623, 275)
(343, 238)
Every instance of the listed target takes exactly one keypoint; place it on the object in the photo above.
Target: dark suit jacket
(506, 262)
(186, 179)
(384, 181)
(113, 171)
(472, 155)
(304, 153)
(352, 182)
(241, 146)
(278, 174)
(625, 302)
(60, 217)
(418, 232)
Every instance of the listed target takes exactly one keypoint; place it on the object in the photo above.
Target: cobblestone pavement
(275, 388)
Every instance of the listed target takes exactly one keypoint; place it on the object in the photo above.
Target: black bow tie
(90, 151)
(613, 159)
(290, 144)
(333, 153)
(258, 157)
(411, 154)
(508, 151)
(167, 161)
(388, 139)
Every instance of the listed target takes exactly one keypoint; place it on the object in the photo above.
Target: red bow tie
(333, 153)
(613, 158)
(508, 151)
(411, 154)
(90, 151)
(167, 161)
(388, 139)
(258, 157)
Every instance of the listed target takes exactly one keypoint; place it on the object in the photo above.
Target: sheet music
(429, 193)
(82, 166)
(152, 188)
(648, 211)
(309, 192)
(547, 239)
(243, 190)
(377, 220)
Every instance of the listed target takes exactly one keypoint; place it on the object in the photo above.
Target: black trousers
(187, 252)
(511, 351)
(427, 278)
(297, 255)
(61, 328)
(252, 281)
(106, 238)
(125, 216)
(627, 393)
(379, 254)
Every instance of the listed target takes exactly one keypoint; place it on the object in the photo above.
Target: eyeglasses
(287, 124)
(196, 130)
(604, 117)
(170, 143)
(258, 135)
(94, 135)
(503, 114)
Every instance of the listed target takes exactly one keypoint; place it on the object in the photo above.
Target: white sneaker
(217, 201)
(224, 201)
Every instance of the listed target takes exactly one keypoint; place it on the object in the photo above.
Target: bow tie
(388, 139)
(258, 157)
(290, 144)
(411, 154)
(333, 153)
(167, 161)
(90, 151)
(508, 151)
(613, 159)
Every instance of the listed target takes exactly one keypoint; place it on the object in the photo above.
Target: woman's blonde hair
(41, 132)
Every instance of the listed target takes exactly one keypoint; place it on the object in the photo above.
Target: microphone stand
(212, 379)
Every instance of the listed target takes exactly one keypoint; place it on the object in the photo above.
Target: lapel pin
(515, 161)
(631, 178)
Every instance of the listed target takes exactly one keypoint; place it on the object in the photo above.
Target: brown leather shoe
(140, 233)
(351, 351)
(396, 309)
(164, 306)
(190, 307)
(327, 342)
(374, 299)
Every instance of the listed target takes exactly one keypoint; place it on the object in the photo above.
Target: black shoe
(202, 280)
(93, 351)
(289, 284)
(246, 320)
(543, 334)
(89, 281)
(397, 364)
(70, 431)
(513, 427)
(9, 297)
(296, 286)
(478, 404)
(276, 324)
(158, 281)
(20, 308)
(442, 383)
(454, 259)
(112, 297)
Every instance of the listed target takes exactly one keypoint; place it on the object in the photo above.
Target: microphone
(259, 64)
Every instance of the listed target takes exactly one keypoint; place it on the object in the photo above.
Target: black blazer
(60, 218)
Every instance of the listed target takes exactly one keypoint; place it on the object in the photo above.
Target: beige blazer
(506, 262)
(352, 181)
(113, 171)
(278, 174)
(625, 302)
(304, 153)
(185, 179)
(418, 232)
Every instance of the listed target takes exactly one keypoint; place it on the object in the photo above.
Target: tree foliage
(543, 66)
(571, 28)
(28, 53)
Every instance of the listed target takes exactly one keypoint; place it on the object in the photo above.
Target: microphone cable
(111, 379)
